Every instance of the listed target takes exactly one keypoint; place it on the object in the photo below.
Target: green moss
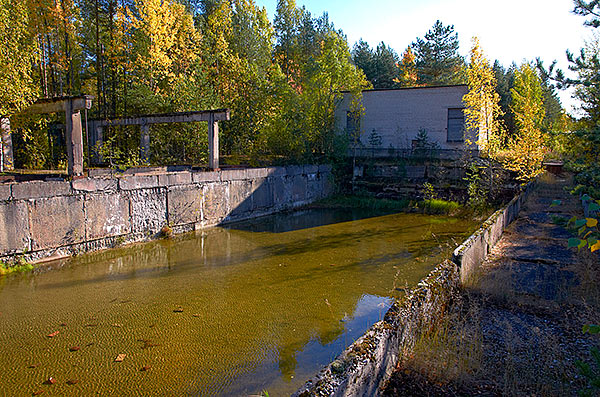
(437, 206)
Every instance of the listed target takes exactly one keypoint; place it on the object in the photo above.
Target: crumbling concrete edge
(365, 366)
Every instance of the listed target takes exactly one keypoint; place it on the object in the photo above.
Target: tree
(18, 51)
(437, 58)
(526, 149)
(364, 58)
(408, 69)
(482, 109)
(386, 67)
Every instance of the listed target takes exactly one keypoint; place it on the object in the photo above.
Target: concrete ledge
(212, 176)
(175, 179)
(363, 368)
(58, 218)
(138, 182)
(40, 189)
(94, 184)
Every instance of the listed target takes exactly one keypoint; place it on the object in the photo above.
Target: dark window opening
(456, 125)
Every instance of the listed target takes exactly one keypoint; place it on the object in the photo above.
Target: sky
(509, 30)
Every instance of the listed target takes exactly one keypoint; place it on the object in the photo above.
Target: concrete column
(97, 144)
(145, 142)
(6, 154)
(213, 143)
(74, 138)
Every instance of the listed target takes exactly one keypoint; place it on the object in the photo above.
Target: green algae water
(236, 310)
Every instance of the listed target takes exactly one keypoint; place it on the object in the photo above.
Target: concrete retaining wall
(54, 218)
(364, 367)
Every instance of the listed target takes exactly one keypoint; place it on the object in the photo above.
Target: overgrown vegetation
(20, 267)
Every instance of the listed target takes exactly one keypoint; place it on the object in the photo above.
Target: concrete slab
(148, 209)
(262, 195)
(106, 215)
(254, 173)
(184, 204)
(299, 188)
(240, 198)
(138, 182)
(233, 175)
(216, 202)
(175, 179)
(14, 224)
(56, 221)
(40, 189)
(94, 184)
(4, 192)
(212, 176)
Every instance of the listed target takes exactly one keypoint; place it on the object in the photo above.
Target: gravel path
(517, 330)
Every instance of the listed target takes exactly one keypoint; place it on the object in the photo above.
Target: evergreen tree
(437, 58)
(386, 67)
(364, 58)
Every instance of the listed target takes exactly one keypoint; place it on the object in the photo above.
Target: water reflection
(262, 308)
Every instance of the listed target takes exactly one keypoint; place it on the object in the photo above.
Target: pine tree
(437, 58)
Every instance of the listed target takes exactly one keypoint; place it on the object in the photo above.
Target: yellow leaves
(592, 222)
(595, 247)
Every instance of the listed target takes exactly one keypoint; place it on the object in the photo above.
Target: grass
(434, 206)
(22, 267)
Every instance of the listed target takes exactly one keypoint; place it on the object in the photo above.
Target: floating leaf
(145, 368)
(52, 335)
(120, 358)
(72, 382)
(37, 393)
(574, 242)
(592, 222)
(50, 381)
(74, 348)
(555, 203)
(178, 310)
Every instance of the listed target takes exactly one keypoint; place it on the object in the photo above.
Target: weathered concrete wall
(471, 254)
(46, 219)
(366, 365)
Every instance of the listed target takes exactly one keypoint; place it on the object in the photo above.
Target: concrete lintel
(183, 117)
(60, 104)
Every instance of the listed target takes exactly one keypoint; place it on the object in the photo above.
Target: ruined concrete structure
(56, 218)
(392, 118)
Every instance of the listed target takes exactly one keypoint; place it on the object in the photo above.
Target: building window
(353, 123)
(456, 125)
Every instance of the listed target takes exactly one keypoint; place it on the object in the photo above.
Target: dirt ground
(516, 328)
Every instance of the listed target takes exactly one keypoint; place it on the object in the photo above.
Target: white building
(392, 118)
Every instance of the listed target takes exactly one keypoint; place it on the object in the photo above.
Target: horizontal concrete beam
(59, 105)
(183, 117)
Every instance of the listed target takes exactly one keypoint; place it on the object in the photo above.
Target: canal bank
(52, 219)
(365, 366)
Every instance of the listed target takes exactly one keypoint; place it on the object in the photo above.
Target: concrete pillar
(97, 144)
(145, 142)
(6, 152)
(74, 138)
(213, 143)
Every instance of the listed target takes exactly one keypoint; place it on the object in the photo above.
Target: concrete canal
(233, 310)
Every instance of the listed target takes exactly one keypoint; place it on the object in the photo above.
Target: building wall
(54, 218)
(397, 115)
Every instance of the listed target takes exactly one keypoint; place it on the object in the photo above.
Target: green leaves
(556, 203)
(574, 242)
(591, 329)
